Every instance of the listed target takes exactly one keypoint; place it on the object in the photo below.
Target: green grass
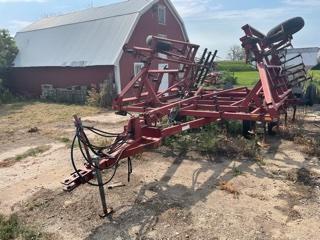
(12, 228)
(32, 152)
(234, 66)
(251, 77)
(247, 79)
(65, 140)
(316, 74)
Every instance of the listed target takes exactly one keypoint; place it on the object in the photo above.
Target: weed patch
(65, 140)
(236, 171)
(312, 146)
(41, 115)
(214, 140)
(229, 187)
(13, 228)
(102, 141)
(32, 152)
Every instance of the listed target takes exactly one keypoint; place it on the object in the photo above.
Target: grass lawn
(247, 79)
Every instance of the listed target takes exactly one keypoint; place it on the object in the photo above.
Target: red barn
(85, 47)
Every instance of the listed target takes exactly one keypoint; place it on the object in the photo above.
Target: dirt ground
(170, 196)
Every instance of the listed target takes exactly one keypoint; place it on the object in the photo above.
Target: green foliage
(234, 66)
(213, 140)
(234, 128)
(8, 49)
(236, 171)
(315, 74)
(65, 140)
(32, 152)
(315, 78)
(93, 98)
(12, 228)
(5, 95)
(228, 77)
(316, 67)
(8, 52)
(102, 97)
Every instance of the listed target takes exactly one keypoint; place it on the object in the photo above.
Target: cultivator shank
(187, 104)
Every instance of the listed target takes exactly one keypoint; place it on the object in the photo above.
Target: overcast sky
(215, 24)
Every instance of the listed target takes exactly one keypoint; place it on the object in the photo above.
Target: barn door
(165, 79)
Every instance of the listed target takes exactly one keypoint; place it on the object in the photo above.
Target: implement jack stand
(264, 143)
(294, 114)
(106, 211)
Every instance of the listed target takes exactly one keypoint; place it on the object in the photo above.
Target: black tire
(270, 128)
(285, 29)
(311, 95)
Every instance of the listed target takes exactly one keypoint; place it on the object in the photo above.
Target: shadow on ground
(146, 212)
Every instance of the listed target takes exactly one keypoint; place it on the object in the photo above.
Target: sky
(215, 24)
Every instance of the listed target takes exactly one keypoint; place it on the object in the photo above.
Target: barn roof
(311, 55)
(90, 37)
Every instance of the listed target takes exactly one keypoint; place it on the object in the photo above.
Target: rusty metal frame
(270, 97)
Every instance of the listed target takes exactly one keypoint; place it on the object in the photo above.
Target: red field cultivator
(187, 104)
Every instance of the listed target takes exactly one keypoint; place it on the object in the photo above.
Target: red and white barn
(85, 47)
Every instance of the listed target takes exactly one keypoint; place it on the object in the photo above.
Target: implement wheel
(285, 30)
(271, 125)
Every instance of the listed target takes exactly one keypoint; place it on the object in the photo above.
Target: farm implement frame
(186, 103)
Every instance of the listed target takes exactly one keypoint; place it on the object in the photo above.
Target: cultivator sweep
(187, 104)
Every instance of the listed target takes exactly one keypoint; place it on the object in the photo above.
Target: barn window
(162, 14)
(161, 55)
(137, 67)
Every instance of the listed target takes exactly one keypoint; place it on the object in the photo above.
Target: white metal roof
(310, 55)
(90, 37)
(83, 44)
(91, 14)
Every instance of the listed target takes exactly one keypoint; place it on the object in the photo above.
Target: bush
(316, 67)
(234, 66)
(12, 228)
(228, 78)
(93, 98)
(5, 95)
(102, 97)
(8, 52)
(212, 140)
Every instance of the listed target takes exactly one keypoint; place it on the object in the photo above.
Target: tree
(8, 51)
(236, 53)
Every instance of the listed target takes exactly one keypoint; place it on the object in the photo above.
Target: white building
(310, 56)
